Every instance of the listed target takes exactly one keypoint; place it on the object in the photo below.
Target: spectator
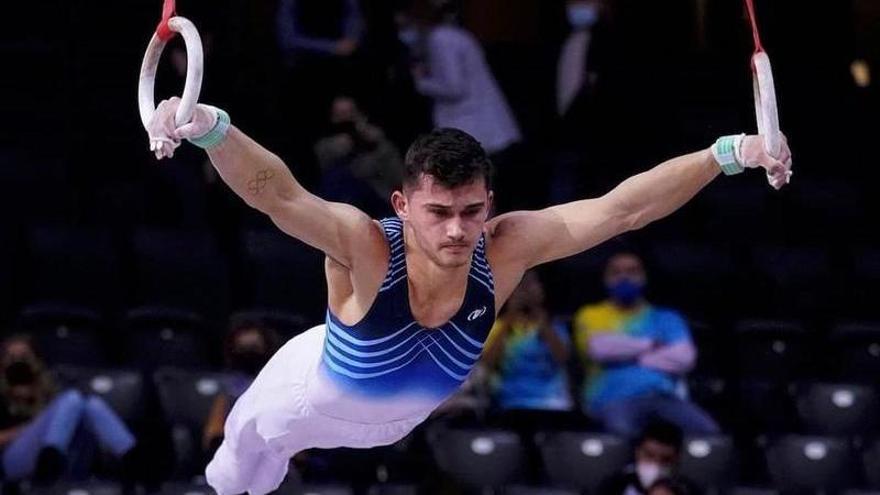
(450, 69)
(359, 165)
(247, 348)
(573, 75)
(657, 454)
(577, 170)
(457, 78)
(44, 435)
(637, 355)
(528, 353)
(319, 41)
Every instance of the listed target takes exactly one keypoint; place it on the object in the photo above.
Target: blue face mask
(626, 292)
(408, 36)
(582, 16)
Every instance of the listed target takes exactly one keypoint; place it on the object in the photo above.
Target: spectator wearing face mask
(578, 168)
(45, 435)
(247, 348)
(573, 74)
(657, 454)
(636, 356)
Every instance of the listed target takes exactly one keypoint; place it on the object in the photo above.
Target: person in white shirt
(454, 75)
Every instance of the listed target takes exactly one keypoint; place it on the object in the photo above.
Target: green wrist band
(725, 151)
(215, 135)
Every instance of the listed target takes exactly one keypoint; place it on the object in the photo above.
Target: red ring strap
(750, 6)
(163, 31)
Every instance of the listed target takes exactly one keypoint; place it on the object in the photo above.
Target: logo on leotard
(477, 313)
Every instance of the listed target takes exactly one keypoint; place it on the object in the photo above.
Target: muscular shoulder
(507, 265)
(504, 233)
(351, 290)
(369, 243)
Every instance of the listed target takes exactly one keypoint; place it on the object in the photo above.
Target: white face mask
(649, 472)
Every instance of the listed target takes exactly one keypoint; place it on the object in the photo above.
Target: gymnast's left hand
(752, 154)
(165, 136)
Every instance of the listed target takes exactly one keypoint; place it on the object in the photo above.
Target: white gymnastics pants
(273, 420)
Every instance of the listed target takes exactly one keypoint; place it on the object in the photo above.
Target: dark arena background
(128, 281)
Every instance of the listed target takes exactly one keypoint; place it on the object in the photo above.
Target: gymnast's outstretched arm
(265, 183)
(529, 238)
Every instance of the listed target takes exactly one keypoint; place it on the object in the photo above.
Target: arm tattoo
(258, 184)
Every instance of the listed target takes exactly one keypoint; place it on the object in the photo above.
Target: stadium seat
(75, 266)
(770, 354)
(581, 460)
(167, 337)
(123, 390)
(871, 461)
(773, 351)
(714, 394)
(180, 269)
(65, 334)
(855, 352)
(185, 398)
(285, 274)
(710, 462)
(798, 463)
(478, 458)
(838, 409)
(765, 407)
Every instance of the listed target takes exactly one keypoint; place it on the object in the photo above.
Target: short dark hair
(663, 432)
(451, 156)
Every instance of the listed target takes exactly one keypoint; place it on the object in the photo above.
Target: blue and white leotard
(389, 367)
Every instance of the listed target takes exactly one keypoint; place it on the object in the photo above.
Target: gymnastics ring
(194, 71)
(765, 103)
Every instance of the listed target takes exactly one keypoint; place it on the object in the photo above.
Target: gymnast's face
(446, 223)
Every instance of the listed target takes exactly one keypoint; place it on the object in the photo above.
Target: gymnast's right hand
(164, 134)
